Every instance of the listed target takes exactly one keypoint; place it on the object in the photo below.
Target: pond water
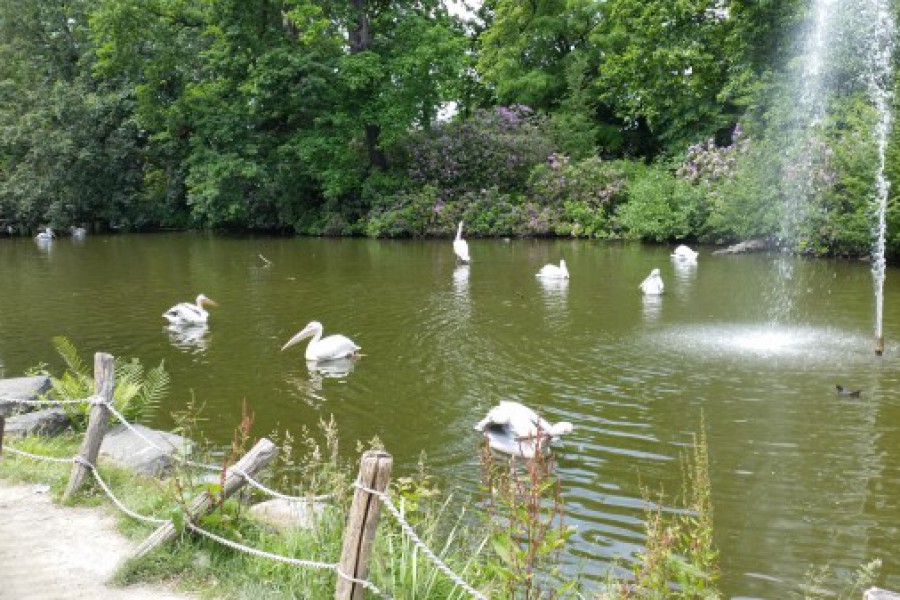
(751, 344)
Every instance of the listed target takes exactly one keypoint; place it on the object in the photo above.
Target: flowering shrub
(706, 163)
(494, 148)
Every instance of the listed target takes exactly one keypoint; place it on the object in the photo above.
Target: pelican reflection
(192, 338)
(335, 368)
(652, 305)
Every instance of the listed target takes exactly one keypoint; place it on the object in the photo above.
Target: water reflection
(461, 281)
(651, 306)
(44, 244)
(337, 368)
(554, 289)
(190, 338)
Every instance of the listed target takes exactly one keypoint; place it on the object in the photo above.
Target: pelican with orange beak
(329, 348)
(185, 313)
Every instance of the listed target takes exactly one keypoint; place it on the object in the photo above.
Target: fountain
(841, 32)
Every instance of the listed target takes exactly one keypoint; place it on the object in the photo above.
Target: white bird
(47, 235)
(78, 232)
(319, 348)
(515, 429)
(460, 246)
(653, 284)
(684, 253)
(554, 272)
(185, 313)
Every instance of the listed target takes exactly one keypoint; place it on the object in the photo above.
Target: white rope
(260, 553)
(269, 491)
(88, 400)
(115, 500)
(408, 530)
(37, 456)
(366, 584)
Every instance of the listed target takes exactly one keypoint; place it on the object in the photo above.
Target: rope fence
(362, 520)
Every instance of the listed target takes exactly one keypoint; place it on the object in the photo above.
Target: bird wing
(335, 346)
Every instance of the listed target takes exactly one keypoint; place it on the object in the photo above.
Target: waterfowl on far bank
(46, 235)
(551, 271)
(513, 428)
(653, 284)
(684, 253)
(461, 246)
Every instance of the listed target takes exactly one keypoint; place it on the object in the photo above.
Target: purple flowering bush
(494, 148)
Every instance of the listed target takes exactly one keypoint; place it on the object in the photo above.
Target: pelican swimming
(46, 235)
(78, 232)
(684, 253)
(460, 246)
(515, 429)
(554, 272)
(185, 313)
(319, 348)
(653, 284)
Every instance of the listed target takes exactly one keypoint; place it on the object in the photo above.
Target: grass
(205, 567)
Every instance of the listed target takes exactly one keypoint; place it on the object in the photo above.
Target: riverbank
(62, 553)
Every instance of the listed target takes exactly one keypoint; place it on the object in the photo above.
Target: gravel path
(52, 553)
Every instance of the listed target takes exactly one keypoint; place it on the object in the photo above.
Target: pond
(752, 345)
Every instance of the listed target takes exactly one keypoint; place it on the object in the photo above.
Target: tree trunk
(360, 34)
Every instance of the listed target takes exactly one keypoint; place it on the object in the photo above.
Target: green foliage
(660, 207)
(137, 393)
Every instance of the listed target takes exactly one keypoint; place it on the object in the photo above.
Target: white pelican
(515, 429)
(684, 253)
(554, 272)
(653, 284)
(185, 313)
(46, 235)
(460, 246)
(319, 348)
(78, 232)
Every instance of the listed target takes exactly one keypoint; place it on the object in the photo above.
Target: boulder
(746, 247)
(286, 515)
(127, 449)
(880, 594)
(48, 421)
(16, 389)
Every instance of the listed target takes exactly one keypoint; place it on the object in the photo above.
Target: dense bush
(660, 207)
(494, 148)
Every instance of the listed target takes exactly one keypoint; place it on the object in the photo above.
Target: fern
(136, 395)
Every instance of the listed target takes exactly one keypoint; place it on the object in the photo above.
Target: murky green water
(755, 344)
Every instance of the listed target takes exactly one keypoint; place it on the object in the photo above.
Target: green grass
(206, 567)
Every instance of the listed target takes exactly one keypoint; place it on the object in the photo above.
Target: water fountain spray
(880, 47)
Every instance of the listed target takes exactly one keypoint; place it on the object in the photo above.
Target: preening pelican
(653, 284)
(46, 235)
(460, 246)
(185, 313)
(515, 429)
(554, 272)
(684, 253)
(319, 348)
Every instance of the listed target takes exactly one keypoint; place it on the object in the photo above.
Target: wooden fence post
(2, 425)
(362, 522)
(104, 387)
(251, 463)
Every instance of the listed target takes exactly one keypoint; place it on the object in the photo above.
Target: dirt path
(52, 553)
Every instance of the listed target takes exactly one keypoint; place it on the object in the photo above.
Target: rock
(48, 421)
(289, 514)
(127, 449)
(880, 594)
(16, 389)
(746, 247)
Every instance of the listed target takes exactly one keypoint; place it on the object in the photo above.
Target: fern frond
(155, 388)
(67, 351)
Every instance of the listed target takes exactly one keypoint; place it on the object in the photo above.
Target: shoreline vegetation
(402, 119)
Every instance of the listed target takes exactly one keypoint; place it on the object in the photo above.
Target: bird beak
(304, 333)
(210, 301)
